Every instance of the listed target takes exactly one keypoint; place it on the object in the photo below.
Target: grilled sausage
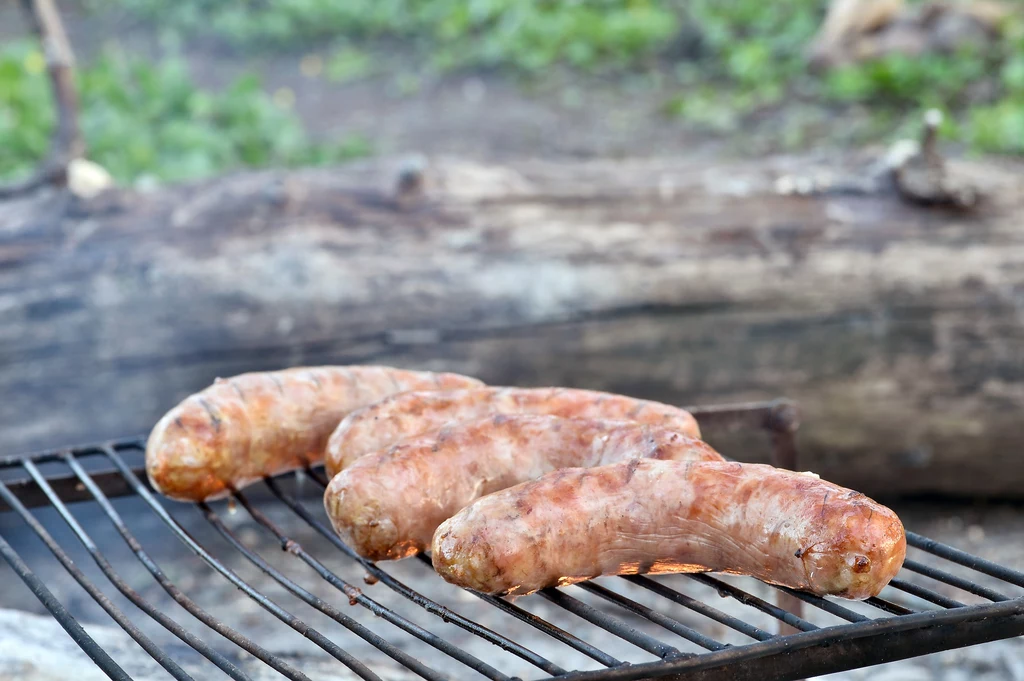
(646, 516)
(241, 429)
(386, 505)
(380, 425)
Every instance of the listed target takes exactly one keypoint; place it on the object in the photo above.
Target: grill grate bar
(954, 555)
(673, 625)
(924, 594)
(94, 592)
(355, 595)
(402, 658)
(427, 604)
(549, 629)
(824, 604)
(889, 606)
(609, 624)
(953, 580)
(900, 630)
(699, 607)
(726, 589)
(61, 614)
(202, 615)
(104, 565)
(263, 601)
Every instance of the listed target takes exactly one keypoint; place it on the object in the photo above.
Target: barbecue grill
(909, 619)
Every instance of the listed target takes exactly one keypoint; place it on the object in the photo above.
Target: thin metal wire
(889, 606)
(61, 614)
(699, 607)
(987, 567)
(609, 624)
(104, 565)
(266, 603)
(551, 630)
(823, 604)
(764, 606)
(206, 618)
(158, 654)
(354, 594)
(923, 593)
(539, 623)
(427, 604)
(673, 625)
(953, 580)
(590, 614)
(398, 655)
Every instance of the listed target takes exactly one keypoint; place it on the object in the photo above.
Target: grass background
(722, 65)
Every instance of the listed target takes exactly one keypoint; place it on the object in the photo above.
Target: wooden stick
(67, 143)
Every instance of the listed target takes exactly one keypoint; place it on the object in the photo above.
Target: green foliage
(938, 80)
(525, 34)
(141, 119)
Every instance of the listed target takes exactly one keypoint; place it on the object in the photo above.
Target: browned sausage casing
(389, 421)
(243, 428)
(667, 516)
(387, 505)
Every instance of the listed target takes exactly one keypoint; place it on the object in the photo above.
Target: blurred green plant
(526, 34)
(141, 119)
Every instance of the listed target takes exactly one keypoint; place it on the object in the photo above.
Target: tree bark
(898, 328)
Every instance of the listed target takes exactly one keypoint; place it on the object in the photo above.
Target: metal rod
(60, 613)
(1011, 612)
(823, 604)
(161, 657)
(427, 604)
(104, 565)
(673, 625)
(963, 558)
(184, 601)
(263, 601)
(355, 595)
(609, 624)
(923, 593)
(889, 606)
(726, 589)
(699, 607)
(538, 623)
(959, 582)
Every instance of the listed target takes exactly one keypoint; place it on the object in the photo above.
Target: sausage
(391, 420)
(648, 516)
(386, 505)
(241, 429)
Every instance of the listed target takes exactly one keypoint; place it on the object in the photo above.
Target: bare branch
(66, 143)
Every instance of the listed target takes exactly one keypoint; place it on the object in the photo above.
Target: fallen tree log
(899, 328)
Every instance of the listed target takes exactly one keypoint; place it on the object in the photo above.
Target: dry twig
(66, 144)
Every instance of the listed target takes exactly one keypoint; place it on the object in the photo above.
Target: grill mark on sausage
(214, 417)
(823, 502)
(241, 394)
(277, 381)
(631, 469)
(178, 422)
(316, 380)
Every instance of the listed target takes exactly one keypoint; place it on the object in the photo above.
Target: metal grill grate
(910, 620)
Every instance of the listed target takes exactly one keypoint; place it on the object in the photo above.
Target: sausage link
(381, 425)
(646, 516)
(386, 505)
(241, 429)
